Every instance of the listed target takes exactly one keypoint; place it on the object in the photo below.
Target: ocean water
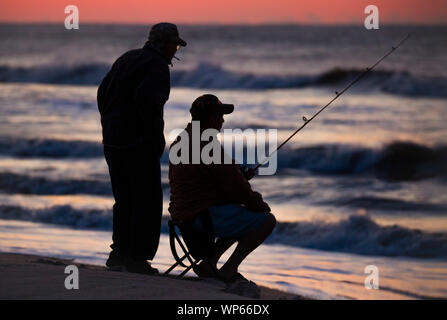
(363, 184)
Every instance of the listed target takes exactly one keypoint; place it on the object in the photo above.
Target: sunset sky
(226, 11)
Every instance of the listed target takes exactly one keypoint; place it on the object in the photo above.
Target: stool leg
(175, 265)
(189, 268)
(184, 249)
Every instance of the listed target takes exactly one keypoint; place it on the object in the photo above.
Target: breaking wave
(395, 161)
(356, 234)
(87, 74)
(361, 235)
(385, 204)
(211, 76)
(17, 183)
(398, 161)
(49, 148)
(61, 215)
(11, 183)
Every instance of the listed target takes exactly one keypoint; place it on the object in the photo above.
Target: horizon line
(329, 24)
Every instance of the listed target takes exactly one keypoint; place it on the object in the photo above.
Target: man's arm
(102, 91)
(235, 188)
(150, 97)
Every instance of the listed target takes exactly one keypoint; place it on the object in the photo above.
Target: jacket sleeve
(150, 97)
(102, 91)
(233, 187)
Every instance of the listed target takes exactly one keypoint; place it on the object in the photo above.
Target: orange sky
(225, 11)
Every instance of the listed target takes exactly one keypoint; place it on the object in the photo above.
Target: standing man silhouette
(130, 100)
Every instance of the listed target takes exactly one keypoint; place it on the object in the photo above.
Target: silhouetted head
(209, 111)
(165, 37)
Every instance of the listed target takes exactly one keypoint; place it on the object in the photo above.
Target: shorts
(232, 221)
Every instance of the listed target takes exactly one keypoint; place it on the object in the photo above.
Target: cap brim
(181, 42)
(226, 108)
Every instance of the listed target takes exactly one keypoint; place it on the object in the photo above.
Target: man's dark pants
(136, 186)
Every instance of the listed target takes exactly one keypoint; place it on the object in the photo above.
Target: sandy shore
(36, 277)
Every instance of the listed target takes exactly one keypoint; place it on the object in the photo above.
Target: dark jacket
(196, 187)
(131, 99)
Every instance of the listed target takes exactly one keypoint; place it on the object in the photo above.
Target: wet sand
(36, 277)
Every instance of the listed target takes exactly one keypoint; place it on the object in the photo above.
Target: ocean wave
(356, 234)
(359, 234)
(85, 74)
(11, 183)
(387, 204)
(49, 148)
(61, 215)
(397, 161)
(209, 76)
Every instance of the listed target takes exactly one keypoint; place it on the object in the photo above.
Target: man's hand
(248, 173)
(256, 203)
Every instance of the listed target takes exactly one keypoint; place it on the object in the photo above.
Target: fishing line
(337, 95)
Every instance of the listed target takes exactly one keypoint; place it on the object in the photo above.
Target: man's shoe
(116, 261)
(205, 270)
(140, 266)
(241, 286)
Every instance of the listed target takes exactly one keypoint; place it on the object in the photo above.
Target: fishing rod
(337, 94)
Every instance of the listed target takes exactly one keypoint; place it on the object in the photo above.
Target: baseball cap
(164, 32)
(207, 105)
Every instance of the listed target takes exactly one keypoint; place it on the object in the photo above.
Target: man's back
(131, 98)
(196, 187)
